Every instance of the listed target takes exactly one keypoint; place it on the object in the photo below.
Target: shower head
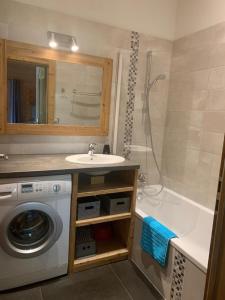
(161, 77)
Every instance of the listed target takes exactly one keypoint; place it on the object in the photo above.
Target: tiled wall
(161, 63)
(191, 145)
(133, 128)
(196, 115)
(30, 24)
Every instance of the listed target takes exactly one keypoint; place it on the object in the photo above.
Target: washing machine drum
(30, 229)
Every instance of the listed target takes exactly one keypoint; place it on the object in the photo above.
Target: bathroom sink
(96, 159)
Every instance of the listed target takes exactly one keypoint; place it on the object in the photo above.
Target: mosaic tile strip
(178, 276)
(132, 80)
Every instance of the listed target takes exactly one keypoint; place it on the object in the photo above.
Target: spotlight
(74, 46)
(62, 41)
(52, 42)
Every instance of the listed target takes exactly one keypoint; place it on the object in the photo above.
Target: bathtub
(192, 224)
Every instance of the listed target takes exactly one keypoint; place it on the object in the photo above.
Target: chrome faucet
(4, 156)
(91, 150)
(142, 179)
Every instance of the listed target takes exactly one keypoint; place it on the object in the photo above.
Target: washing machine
(34, 229)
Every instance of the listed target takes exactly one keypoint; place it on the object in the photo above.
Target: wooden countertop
(51, 164)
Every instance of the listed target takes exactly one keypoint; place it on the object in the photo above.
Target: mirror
(77, 97)
(78, 94)
(49, 89)
(27, 92)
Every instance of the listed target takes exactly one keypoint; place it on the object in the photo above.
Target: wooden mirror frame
(2, 107)
(47, 56)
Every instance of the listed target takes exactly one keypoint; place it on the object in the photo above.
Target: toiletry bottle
(106, 149)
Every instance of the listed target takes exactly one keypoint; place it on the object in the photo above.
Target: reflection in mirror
(77, 100)
(27, 86)
(78, 94)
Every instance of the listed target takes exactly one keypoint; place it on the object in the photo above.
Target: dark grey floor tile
(95, 284)
(134, 281)
(24, 294)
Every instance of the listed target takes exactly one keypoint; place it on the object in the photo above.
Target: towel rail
(90, 94)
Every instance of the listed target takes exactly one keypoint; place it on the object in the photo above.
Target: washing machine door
(30, 229)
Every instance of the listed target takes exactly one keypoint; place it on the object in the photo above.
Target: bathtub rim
(208, 210)
(178, 243)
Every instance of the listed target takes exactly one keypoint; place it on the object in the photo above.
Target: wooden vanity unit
(119, 179)
(119, 247)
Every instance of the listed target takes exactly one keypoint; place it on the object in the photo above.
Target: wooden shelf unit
(106, 252)
(120, 246)
(103, 189)
(100, 259)
(102, 219)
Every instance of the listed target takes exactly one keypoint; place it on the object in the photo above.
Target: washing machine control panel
(34, 188)
(42, 187)
(29, 190)
(56, 188)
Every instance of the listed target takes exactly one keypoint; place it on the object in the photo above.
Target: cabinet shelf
(103, 219)
(119, 246)
(103, 189)
(106, 251)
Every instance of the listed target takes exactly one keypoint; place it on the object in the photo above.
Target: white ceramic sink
(96, 159)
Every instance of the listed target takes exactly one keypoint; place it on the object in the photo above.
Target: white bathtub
(192, 223)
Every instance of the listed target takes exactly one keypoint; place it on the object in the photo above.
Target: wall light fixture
(74, 46)
(62, 41)
(52, 42)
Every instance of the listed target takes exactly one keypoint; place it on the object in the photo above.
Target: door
(30, 229)
(215, 283)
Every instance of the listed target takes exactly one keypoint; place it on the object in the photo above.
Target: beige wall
(30, 24)
(195, 15)
(170, 19)
(196, 115)
(153, 17)
(192, 142)
(161, 61)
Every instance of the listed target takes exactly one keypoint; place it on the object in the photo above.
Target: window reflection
(27, 83)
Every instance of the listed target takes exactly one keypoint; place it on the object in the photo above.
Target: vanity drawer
(88, 208)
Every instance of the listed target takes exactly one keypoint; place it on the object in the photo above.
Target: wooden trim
(103, 190)
(34, 51)
(123, 224)
(51, 91)
(106, 95)
(133, 205)
(4, 80)
(2, 89)
(103, 219)
(62, 130)
(100, 259)
(27, 52)
(73, 213)
(215, 281)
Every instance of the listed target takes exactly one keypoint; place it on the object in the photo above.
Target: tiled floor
(118, 281)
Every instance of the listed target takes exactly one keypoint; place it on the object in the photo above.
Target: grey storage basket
(87, 208)
(115, 203)
(85, 243)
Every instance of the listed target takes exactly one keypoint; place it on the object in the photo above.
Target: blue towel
(155, 239)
